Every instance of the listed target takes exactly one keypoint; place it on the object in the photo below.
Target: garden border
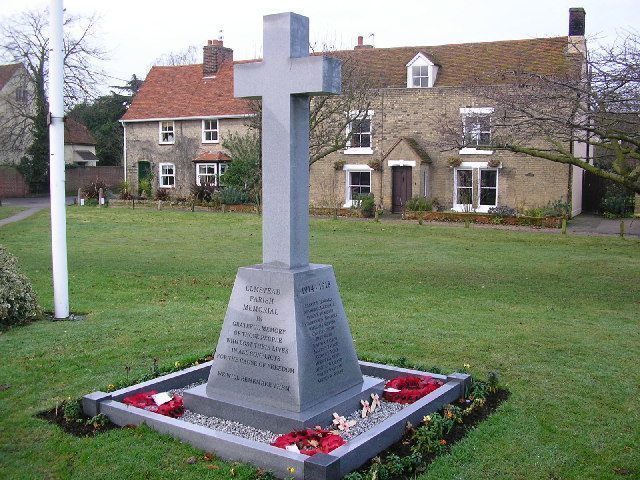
(283, 463)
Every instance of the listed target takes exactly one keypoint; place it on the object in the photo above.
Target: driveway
(587, 224)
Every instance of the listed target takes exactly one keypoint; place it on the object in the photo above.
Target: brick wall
(12, 183)
(523, 181)
(78, 177)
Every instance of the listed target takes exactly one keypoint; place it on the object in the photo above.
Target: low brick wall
(78, 177)
(540, 222)
(183, 207)
(341, 212)
(12, 183)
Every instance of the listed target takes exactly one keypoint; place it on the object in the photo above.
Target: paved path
(32, 204)
(20, 216)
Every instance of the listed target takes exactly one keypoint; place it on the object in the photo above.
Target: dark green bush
(557, 209)
(419, 204)
(18, 301)
(367, 205)
(617, 201)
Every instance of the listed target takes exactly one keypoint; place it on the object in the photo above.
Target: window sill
(167, 186)
(358, 151)
(166, 143)
(474, 151)
(210, 141)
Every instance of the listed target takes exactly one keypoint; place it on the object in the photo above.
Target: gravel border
(384, 411)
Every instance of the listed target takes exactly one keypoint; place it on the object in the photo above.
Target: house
(15, 105)
(174, 126)
(79, 144)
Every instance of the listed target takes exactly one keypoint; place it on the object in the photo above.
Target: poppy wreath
(173, 408)
(310, 442)
(411, 389)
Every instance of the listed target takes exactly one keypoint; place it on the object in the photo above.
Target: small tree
(245, 171)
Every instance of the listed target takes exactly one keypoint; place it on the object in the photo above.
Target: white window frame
(485, 208)
(162, 176)
(349, 150)
(420, 60)
(162, 130)
(462, 207)
(348, 169)
(476, 168)
(475, 111)
(210, 130)
(222, 167)
(22, 95)
(199, 175)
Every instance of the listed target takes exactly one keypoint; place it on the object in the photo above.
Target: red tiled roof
(212, 157)
(182, 91)
(75, 133)
(6, 72)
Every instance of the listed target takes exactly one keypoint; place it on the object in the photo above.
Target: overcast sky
(135, 32)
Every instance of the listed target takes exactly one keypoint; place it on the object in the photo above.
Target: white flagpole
(56, 163)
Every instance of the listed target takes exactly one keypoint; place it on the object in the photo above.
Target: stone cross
(285, 79)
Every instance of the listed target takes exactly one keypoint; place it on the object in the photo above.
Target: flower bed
(485, 218)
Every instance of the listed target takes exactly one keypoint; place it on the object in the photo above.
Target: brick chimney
(360, 44)
(576, 22)
(577, 42)
(214, 53)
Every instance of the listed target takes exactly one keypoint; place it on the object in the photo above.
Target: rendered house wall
(142, 144)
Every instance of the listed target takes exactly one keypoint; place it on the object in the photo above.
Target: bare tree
(334, 120)
(188, 56)
(595, 101)
(24, 39)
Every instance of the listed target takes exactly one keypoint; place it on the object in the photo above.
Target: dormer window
(420, 76)
(421, 72)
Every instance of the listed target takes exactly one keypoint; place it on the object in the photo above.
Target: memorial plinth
(285, 358)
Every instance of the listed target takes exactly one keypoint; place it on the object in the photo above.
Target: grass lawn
(8, 211)
(557, 316)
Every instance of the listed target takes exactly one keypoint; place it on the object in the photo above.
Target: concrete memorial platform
(285, 358)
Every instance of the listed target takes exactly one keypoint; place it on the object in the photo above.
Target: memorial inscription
(258, 341)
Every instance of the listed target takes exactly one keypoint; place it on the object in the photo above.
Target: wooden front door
(400, 188)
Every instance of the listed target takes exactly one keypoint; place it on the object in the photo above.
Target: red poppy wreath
(174, 408)
(309, 442)
(409, 389)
